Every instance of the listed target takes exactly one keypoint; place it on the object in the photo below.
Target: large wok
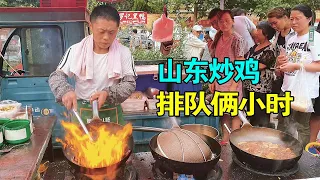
(183, 167)
(197, 128)
(197, 169)
(250, 133)
(92, 127)
(113, 127)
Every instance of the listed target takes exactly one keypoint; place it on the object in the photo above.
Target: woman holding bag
(302, 59)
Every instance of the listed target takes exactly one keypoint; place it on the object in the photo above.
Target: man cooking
(102, 68)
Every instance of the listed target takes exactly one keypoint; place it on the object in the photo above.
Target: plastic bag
(9, 108)
(299, 90)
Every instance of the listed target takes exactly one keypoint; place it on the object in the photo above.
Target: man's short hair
(106, 12)
(135, 31)
(213, 12)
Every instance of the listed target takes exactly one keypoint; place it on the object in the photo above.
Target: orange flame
(107, 148)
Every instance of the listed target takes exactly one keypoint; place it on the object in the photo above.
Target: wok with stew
(265, 149)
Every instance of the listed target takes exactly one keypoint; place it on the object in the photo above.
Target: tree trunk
(195, 15)
(222, 4)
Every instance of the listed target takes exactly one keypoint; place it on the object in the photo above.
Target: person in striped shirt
(102, 68)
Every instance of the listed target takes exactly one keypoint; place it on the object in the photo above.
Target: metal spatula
(82, 124)
(95, 111)
(12, 147)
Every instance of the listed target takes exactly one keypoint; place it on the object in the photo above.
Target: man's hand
(69, 100)
(101, 96)
(282, 59)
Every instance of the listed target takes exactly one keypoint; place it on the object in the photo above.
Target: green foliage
(19, 3)
(156, 6)
(125, 5)
(143, 54)
(140, 5)
(261, 7)
(92, 4)
(176, 53)
(3, 3)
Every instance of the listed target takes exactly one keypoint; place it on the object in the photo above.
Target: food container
(22, 115)
(152, 104)
(1, 136)
(136, 102)
(2, 122)
(9, 108)
(132, 105)
(23, 118)
(17, 131)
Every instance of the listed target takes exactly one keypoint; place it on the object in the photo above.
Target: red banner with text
(133, 17)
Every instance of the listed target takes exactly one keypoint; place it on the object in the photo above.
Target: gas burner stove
(283, 173)
(161, 174)
(126, 173)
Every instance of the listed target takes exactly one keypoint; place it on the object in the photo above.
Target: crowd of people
(282, 45)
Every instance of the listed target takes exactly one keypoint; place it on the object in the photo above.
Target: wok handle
(244, 119)
(227, 128)
(148, 129)
(95, 111)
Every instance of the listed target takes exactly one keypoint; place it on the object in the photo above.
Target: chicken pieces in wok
(267, 150)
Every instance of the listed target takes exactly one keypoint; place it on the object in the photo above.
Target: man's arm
(58, 79)
(130, 46)
(59, 84)
(119, 92)
(206, 54)
(251, 26)
(197, 43)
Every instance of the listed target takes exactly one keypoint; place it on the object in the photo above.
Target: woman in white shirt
(300, 54)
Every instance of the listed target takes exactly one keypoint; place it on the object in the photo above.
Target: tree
(200, 8)
(92, 4)
(314, 4)
(261, 7)
(156, 6)
(3, 3)
(140, 5)
(19, 3)
(125, 5)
